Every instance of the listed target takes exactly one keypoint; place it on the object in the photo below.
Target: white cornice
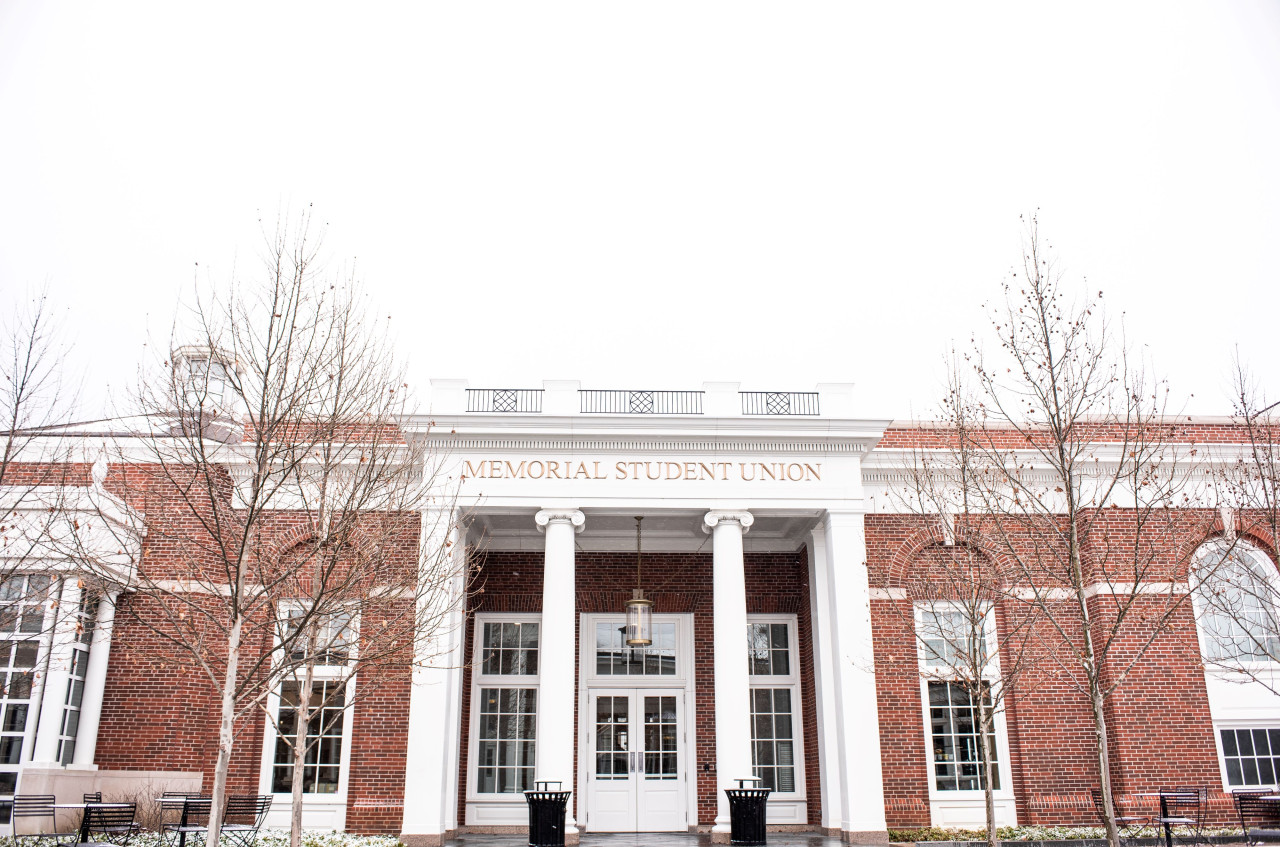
(1094, 589)
(667, 428)
(462, 442)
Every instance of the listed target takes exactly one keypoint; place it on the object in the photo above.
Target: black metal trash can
(746, 813)
(546, 815)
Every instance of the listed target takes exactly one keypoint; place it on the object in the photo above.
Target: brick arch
(931, 536)
(1256, 537)
(1262, 540)
(284, 543)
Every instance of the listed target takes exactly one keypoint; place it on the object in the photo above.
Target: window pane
(768, 649)
(614, 658)
(955, 740)
(509, 648)
(323, 739)
(1237, 601)
(773, 748)
(1251, 756)
(15, 718)
(508, 751)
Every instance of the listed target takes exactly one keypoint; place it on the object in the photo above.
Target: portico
(761, 661)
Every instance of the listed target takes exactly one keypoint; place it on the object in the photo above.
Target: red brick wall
(157, 715)
(1160, 730)
(678, 583)
(161, 710)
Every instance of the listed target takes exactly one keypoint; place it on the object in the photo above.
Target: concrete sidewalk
(646, 839)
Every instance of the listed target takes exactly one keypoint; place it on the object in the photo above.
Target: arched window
(1237, 598)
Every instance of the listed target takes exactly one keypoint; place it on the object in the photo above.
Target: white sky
(651, 195)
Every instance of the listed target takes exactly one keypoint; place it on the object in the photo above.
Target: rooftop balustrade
(561, 398)
(779, 402)
(527, 400)
(640, 402)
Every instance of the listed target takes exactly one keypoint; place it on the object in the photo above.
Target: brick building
(776, 649)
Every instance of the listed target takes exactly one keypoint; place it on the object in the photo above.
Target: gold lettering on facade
(654, 471)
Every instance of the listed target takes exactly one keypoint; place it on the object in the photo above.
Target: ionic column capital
(741, 517)
(569, 516)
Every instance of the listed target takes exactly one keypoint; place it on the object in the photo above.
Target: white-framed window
(1250, 755)
(70, 729)
(950, 638)
(613, 657)
(1236, 592)
(24, 641)
(326, 763)
(777, 723)
(957, 739)
(504, 705)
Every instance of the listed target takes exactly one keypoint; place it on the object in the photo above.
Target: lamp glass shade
(639, 631)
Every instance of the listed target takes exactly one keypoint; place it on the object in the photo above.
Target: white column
(825, 682)
(557, 653)
(729, 630)
(429, 776)
(857, 714)
(453, 696)
(58, 672)
(95, 680)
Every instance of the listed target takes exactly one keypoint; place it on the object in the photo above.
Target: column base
(870, 836)
(720, 833)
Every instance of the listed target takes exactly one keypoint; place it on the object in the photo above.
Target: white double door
(635, 761)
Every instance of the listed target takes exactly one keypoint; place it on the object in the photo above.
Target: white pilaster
(95, 680)
(825, 681)
(732, 682)
(431, 775)
(557, 654)
(58, 673)
(857, 714)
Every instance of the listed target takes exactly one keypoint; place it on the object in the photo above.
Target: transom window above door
(615, 658)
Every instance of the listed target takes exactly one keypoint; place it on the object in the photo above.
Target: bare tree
(35, 462)
(1237, 588)
(1085, 487)
(283, 505)
(358, 600)
(970, 643)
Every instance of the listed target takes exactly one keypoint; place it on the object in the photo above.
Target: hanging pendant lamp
(639, 631)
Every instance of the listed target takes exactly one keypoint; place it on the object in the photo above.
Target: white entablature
(723, 448)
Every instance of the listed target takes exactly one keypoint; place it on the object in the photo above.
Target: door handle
(632, 758)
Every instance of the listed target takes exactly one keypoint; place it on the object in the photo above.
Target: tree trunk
(299, 755)
(985, 720)
(226, 731)
(1104, 764)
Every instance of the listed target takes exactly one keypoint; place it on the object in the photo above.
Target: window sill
(317, 799)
